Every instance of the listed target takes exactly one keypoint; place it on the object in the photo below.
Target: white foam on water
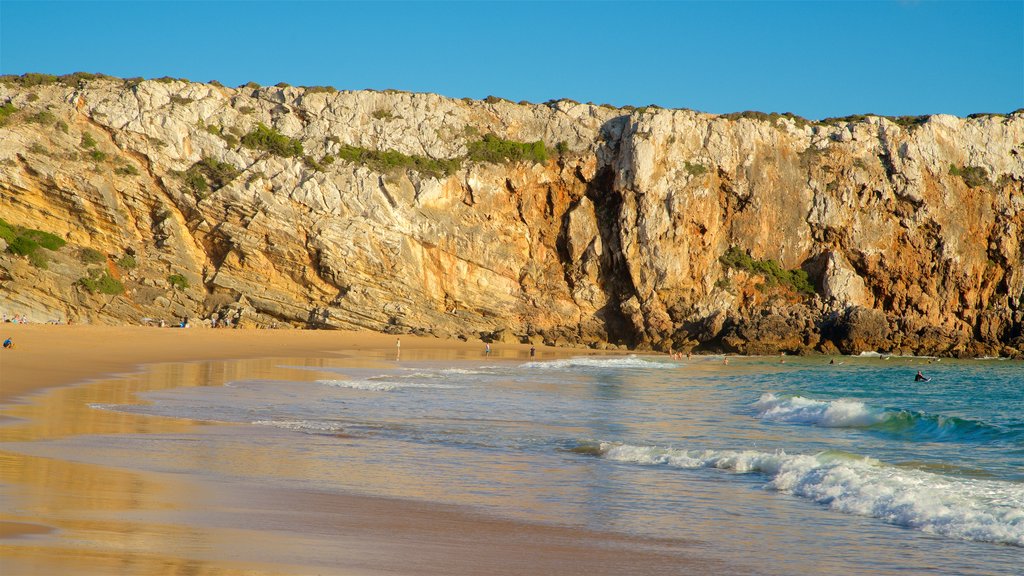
(612, 363)
(833, 413)
(384, 385)
(968, 509)
(315, 426)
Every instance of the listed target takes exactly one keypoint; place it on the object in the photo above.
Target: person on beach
(487, 349)
(533, 351)
(8, 343)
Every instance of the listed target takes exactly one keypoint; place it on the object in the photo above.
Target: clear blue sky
(815, 59)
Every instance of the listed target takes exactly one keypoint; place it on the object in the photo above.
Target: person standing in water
(487, 349)
(398, 348)
(533, 351)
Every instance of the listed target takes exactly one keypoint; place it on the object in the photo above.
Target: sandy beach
(62, 516)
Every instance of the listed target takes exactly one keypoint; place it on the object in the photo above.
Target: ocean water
(780, 468)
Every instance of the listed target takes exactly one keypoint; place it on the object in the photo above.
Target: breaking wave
(968, 509)
(844, 413)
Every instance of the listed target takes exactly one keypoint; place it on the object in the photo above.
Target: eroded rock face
(616, 239)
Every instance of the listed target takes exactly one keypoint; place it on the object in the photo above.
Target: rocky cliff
(560, 222)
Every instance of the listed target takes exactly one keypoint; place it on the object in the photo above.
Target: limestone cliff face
(911, 236)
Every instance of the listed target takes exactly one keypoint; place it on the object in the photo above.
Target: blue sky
(815, 59)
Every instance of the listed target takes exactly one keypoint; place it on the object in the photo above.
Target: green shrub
(127, 262)
(562, 148)
(37, 148)
(77, 78)
(7, 232)
(91, 256)
(771, 270)
(62, 126)
(319, 89)
(384, 161)
(27, 241)
(6, 111)
(909, 121)
(35, 79)
(44, 239)
(230, 139)
(178, 282)
(196, 183)
(246, 109)
(768, 117)
(695, 169)
(973, 176)
(32, 97)
(97, 156)
(22, 246)
(127, 170)
(217, 173)
(43, 117)
(383, 114)
(497, 150)
(39, 260)
(88, 141)
(270, 140)
(102, 282)
(181, 100)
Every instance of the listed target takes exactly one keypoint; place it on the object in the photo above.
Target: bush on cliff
(973, 176)
(208, 173)
(772, 271)
(102, 282)
(6, 111)
(27, 241)
(270, 140)
(497, 151)
(390, 160)
(178, 282)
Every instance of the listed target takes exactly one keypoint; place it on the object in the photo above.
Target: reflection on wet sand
(210, 506)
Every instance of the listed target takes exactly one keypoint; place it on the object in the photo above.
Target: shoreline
(54, 372)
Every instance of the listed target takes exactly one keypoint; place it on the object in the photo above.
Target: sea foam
(834, 413)
(968, 509)
(384, 385)
(604, 363)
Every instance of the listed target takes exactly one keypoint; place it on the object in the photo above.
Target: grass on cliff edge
(772, 271)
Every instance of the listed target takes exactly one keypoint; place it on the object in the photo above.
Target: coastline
(54, 372)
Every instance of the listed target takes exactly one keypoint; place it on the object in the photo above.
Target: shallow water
(802, 467)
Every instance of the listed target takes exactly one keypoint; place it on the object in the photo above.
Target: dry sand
(132, 520)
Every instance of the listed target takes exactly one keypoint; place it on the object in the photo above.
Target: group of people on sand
(16, 319)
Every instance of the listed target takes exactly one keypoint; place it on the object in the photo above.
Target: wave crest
(845, 413)
(978, 510)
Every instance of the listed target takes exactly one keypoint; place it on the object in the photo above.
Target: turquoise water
(801, 467)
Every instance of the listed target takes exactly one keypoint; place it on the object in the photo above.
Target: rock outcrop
(909, 235)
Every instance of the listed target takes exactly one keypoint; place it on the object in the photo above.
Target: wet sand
(60, 515)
